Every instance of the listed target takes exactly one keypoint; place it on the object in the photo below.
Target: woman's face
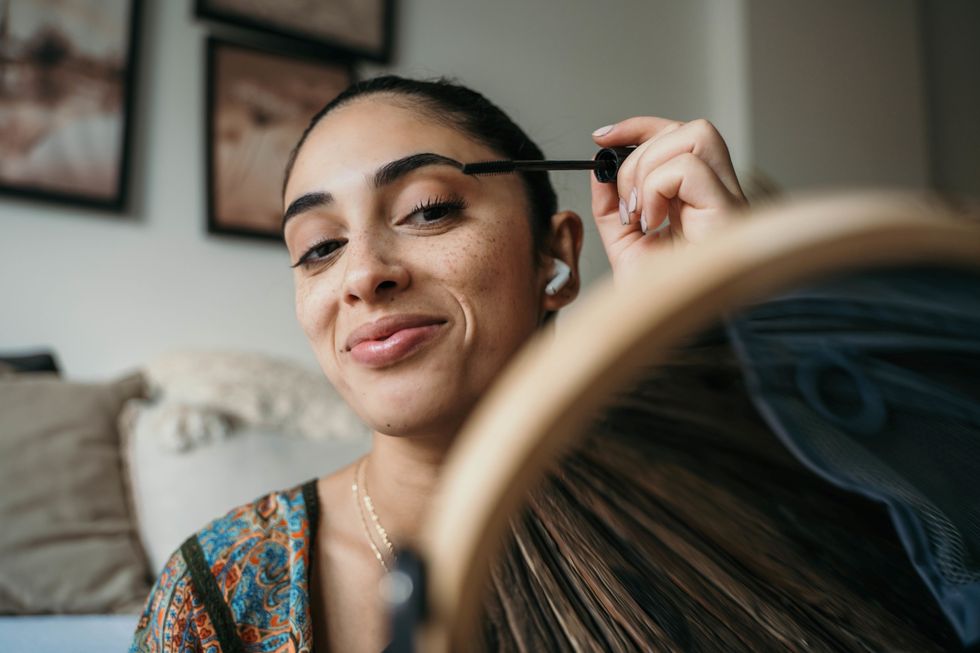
(415, 283)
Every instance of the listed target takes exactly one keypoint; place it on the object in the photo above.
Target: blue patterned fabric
(259, 555)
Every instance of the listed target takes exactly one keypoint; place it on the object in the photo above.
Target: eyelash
(454, 206)
(453, 203)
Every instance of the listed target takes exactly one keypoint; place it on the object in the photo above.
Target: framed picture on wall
(67, 73)
(362, 28)
(259, 103)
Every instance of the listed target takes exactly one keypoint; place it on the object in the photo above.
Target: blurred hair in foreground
(697, 514)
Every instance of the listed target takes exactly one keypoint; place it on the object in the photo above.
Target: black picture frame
(259, 214)
(67, 74)
(328, 44)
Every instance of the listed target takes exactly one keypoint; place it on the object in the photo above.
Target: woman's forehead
(356, 139)
(391, 128)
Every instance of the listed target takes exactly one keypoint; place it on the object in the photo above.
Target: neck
(400, 475)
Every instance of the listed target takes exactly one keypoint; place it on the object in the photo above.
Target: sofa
(101, 482)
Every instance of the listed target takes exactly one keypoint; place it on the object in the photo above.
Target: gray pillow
(68, 543)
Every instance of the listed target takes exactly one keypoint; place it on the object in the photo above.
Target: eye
(435, 210)
(318, 253)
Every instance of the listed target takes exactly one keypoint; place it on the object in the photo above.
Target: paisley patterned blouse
(241, 583)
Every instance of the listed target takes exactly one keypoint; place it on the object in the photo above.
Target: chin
(413, 410)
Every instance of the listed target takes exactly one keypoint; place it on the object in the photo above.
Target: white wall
(837, 95)
(726, 34)
(109, 292)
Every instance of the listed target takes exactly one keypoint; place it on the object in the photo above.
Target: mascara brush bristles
(605, 165)
(501, 167)
(488, 168)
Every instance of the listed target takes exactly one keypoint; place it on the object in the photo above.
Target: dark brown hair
(674, 527)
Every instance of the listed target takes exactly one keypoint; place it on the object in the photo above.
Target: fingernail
(632, 206)
(624, 217)
(643, 222)
(602, 131)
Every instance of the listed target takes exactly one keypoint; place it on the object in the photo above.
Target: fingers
(681, 171)
(605, 207)
(688, 181)
(698, 137)
(632, 131)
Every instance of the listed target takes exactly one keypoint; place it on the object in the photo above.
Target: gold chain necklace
(374, 518)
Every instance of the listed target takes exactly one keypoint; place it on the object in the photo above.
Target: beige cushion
(244, 389)
(67, 541)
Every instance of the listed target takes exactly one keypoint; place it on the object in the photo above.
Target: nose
(372, 275)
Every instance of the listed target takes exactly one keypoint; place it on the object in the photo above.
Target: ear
(565, 245)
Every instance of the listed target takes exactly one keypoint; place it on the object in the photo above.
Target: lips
(390, 339)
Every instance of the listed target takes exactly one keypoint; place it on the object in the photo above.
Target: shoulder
(173, 618)
(279, 519)
(253, 559)
(254, 562)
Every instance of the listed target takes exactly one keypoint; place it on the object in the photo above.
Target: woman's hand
(678, 184)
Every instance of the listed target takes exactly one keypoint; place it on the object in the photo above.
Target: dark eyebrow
(305, 203)
(391, 172)
(386, 174)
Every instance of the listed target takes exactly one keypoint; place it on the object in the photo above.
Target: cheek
(316, 309)
(466, 264)
(316, 312)
(303, 312)
(474, 264)
(492, 275)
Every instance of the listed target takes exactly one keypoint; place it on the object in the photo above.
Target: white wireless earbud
(561, 276)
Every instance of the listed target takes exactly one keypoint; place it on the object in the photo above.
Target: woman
(415, 284)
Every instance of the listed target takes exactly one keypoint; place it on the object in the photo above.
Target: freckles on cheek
(479, 262)
(482, 265)
(502, 271)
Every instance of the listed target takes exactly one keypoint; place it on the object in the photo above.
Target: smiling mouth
(392, 348)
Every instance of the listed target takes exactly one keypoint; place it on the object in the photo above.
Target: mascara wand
(605, 165)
